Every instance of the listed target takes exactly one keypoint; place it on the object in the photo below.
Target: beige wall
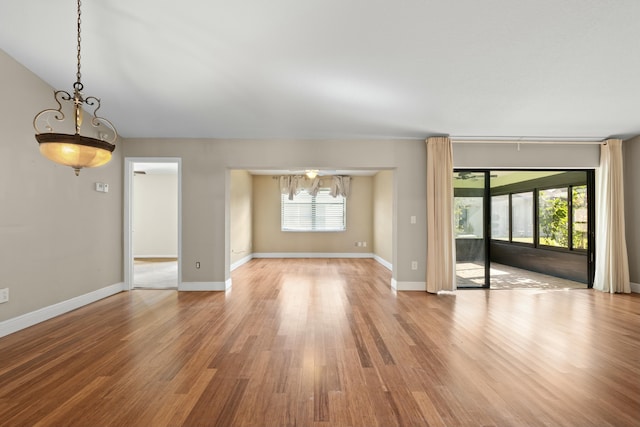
(155, 215)
(205, 204)
(241, 211)
(268, 237)
(631, 150)
(59, 238)
(383, 215)
(206, 166)
(526, 155)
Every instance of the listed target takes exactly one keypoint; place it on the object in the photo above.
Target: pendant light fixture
(74, 149)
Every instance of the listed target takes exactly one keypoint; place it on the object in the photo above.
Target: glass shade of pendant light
(73, 149)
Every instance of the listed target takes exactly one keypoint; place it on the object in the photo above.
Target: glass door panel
(470, 209)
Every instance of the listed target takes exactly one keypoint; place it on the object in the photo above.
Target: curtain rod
(304, 176)
(529, 140)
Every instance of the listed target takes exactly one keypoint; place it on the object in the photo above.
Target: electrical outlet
(414, 265)
(364, 244)
(105, 188)
(413, 219)
(4, 295)
(197, 264)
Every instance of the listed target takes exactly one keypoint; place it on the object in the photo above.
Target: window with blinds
(308, 213)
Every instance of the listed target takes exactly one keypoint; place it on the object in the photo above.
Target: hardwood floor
(328, 343)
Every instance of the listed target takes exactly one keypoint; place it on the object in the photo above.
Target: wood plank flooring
(328, 343)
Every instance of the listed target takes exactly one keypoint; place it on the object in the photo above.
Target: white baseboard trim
(383, 262)
(240, 262)
(26, 320)
(205, 286)
(408, 286)
(312, 255)
(635, 288)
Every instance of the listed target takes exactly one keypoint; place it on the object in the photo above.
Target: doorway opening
(519, 229)
(255, 215)
(152, 223)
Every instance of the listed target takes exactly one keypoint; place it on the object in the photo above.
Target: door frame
(591, 197)
(486, 225)
(129, 163)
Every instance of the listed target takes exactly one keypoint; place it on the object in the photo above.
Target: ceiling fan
(464, 175)
(312, 173)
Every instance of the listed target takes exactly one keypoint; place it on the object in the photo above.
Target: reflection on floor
(155, 273)
(162, 273)
(507, 277)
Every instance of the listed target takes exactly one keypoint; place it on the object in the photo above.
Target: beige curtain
(340, 186)
(291, 185)
(612, 264)
(441, 250)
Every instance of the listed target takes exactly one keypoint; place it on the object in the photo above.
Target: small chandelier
(73, 149)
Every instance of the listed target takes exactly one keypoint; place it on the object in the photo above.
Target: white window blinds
(313, 213)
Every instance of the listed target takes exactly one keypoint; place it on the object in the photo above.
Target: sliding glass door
(470, 190)
(524, 221)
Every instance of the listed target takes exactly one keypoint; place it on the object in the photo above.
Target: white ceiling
(343, 69)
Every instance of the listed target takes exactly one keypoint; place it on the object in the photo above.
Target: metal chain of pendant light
(73, 149)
